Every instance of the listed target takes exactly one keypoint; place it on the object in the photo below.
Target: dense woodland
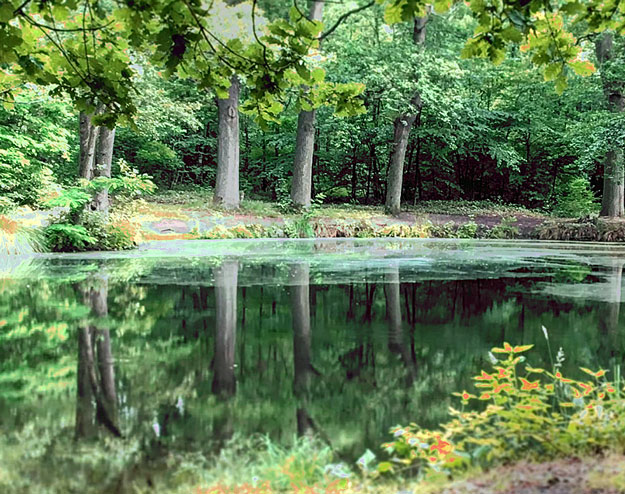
(389, 107)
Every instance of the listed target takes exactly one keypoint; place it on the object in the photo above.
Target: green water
(187, 344)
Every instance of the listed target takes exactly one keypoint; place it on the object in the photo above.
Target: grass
(471, 208)
(201, 199)
(16, 239)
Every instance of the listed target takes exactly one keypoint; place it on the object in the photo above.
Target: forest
(380, 104)
(329, 245)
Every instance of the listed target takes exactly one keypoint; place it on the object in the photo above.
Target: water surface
(191, 343)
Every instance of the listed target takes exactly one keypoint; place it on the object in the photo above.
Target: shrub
(576, 199)
(528, 413)
(468, 230)
(505, 229)
(80, 228)
(63, 237)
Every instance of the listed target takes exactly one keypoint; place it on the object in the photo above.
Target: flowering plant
(521, 412)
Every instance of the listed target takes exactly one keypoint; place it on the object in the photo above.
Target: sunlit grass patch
(16, 239)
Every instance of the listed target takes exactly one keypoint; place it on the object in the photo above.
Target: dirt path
(598, 475)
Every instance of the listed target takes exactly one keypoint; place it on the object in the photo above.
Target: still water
(194, 342)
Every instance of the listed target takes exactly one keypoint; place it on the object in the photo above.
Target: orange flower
(527, 385)
(464, 395)
(599, 373)
(525, 407)
(522, 348)
(502, 373)
(549, 387)
(485, 396)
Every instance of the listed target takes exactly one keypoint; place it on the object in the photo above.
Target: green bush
(80, 228)
(576, 199)
(468, 230)
(64, 237)
(505, 229)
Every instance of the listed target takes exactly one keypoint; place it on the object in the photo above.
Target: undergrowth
(516, 412)
(16, 239)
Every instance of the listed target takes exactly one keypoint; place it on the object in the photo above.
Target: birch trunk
(227, 183)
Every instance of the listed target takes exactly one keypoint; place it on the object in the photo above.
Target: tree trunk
(224, 380)
(612, 201)
(103, 166)
(88, 141)
(402, 125)
(96, 401)
(301, 186)
(227, 183)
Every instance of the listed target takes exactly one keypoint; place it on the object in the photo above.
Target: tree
(402, 126)
(305, 141)
(227, 183)
(612, 202)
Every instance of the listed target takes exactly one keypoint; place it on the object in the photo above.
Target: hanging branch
(345, 16)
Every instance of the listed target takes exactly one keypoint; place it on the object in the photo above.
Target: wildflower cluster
(520, 412)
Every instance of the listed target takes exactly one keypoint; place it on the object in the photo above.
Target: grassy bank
(191, 215)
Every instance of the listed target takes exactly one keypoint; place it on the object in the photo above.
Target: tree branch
(343, 17)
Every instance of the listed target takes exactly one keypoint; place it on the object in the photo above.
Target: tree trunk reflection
(96, 400)
(303, 370)
(609, 311)
(224, 379)
(396, 340)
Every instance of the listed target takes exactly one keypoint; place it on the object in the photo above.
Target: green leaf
(582, 68)
(552, 71)
(318, 75)
(561, 84)
(511, 33)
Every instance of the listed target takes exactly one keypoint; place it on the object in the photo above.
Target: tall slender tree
(301, 187)
(612, 201)
(402, 125)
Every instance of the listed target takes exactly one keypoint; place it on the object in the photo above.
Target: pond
(190, 343)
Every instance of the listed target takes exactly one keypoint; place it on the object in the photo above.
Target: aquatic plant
(516, 411)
